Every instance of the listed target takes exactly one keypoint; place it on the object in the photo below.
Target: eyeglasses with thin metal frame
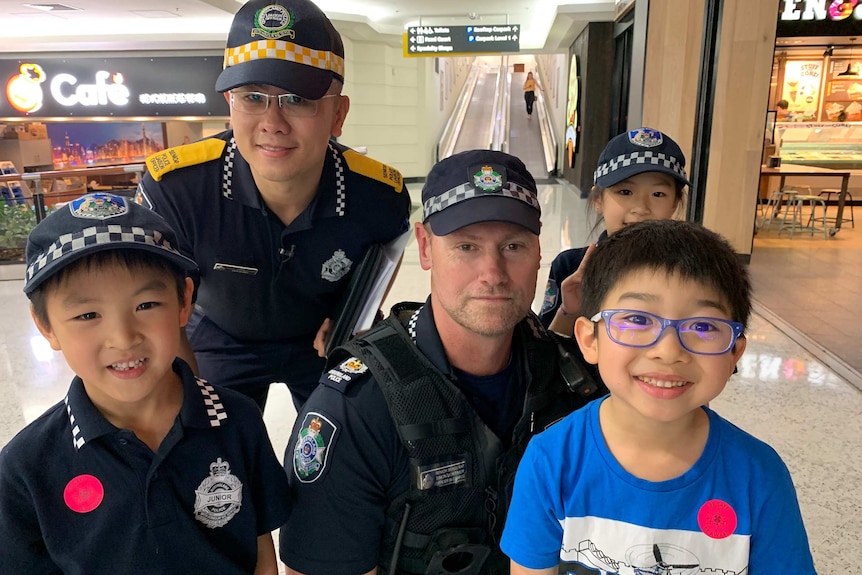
(257, 103)
(699, 335)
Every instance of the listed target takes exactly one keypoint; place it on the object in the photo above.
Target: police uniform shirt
(262, 280)
(79, 495)
(339, 497)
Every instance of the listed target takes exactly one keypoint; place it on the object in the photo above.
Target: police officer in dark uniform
(274, 211)
(403, 460)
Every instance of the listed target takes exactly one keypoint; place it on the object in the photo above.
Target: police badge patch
(219, 496)
(313, 444)
(98, 206)
(646, 137)
(489, 178)
(336, 267)
(551, 293)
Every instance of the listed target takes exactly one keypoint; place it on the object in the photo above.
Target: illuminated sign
(819, 18)
(99, 94)
(457, 40)
(819, 10)
(118, 87)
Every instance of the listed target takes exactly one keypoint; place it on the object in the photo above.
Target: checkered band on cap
(644, 157)
(112, 234)
(281, 50)
(468, 191)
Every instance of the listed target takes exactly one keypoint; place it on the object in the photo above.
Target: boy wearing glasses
(649, 480)
(276, 213)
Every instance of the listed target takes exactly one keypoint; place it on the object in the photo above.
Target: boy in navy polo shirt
(141, 468)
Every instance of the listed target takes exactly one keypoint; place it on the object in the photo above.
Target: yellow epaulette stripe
(168, 160)
(373, 169)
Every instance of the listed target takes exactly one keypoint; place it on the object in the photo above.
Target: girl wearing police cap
(640, 176)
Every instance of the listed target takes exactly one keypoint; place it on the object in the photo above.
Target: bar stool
(848, 202)
(793, 213)
(773, 205)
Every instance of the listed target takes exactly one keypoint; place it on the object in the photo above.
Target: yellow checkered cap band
(280, 50)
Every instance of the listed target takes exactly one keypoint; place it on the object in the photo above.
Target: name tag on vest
(440, 474)
(220, 267)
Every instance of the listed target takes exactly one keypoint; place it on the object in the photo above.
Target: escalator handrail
(449, 138)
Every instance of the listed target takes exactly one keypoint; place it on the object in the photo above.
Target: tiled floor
(782, 393)
(814, 284)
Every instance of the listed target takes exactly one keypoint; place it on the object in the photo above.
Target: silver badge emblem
(219, 496)
(336, 267)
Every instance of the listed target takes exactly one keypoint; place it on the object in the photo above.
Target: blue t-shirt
(575, 506)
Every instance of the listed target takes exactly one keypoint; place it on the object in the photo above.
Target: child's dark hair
(676, 247)
(596, 194)
(131, 259)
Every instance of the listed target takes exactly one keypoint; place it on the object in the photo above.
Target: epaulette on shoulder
(171, 159)
(373, 169)
(538, 330)
(343, 374)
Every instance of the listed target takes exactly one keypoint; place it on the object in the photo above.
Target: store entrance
(804, 275)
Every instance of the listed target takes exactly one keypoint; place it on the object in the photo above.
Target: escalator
(492, 115)
(525, 137)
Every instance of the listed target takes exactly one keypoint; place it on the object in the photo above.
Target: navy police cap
(97, 222)
(638, 151)
(290, 44)
(480, 186)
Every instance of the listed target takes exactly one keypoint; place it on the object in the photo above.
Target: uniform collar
(202, 407)
(423, 331)
(330, 200)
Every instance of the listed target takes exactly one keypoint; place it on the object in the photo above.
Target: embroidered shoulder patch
(373, 169)
(313, 445)
(171, 159)
(551, 293)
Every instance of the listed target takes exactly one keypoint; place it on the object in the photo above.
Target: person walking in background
(275, 213)
(403, 458)
(530, 87)
(649, 479)
(640, 176)
(142, 468)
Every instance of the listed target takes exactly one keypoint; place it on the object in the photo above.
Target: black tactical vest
(451, 517)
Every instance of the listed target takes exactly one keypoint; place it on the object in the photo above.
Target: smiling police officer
(403, 460)
(274, 212)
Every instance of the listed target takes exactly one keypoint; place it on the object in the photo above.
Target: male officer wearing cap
(403, 460)
(274, 212)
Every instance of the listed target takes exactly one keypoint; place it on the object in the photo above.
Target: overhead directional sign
(459, 40)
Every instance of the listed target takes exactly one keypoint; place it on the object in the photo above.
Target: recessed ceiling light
(53, 7)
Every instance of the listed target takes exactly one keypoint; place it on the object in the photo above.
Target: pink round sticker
(717, 519)
(84, 493)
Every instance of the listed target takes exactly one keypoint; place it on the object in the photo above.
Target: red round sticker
(717, 519)
(84, 493)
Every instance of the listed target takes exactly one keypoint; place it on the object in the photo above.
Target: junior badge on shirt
(315, 440)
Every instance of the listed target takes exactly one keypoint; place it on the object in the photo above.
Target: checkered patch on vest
(313, 444)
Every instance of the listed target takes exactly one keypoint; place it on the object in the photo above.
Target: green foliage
(15, 225)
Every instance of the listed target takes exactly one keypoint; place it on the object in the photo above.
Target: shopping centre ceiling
(60, 25)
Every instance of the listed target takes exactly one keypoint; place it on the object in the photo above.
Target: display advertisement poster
(842, 99)
(111, 87)
(88, 144)
(801, 89)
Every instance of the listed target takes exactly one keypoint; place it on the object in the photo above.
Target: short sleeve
(533, 534)
(23, 550)
(345, 465)
(779, 543)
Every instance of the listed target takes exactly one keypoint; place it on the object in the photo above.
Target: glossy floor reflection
(781, 394)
